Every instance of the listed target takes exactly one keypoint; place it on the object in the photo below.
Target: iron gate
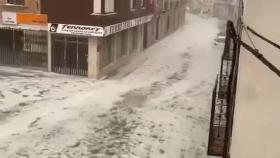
(69, 55)
(23, 48)
(21, 58)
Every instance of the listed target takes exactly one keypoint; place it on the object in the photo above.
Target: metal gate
(23, 48)
(69, 55)
(21, 58)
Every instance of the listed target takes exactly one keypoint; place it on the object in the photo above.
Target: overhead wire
(262, 37)
(260, 56)
(256, 52)
(248, 35)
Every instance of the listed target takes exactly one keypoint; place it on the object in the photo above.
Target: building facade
(109, 33)
(255, 128)
(207, 6)
(25, 6)
(245, 124)
(23, 33)
(169, 15)
(89, 38)
(226, 9)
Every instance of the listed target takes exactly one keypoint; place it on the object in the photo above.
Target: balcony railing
(224, 97)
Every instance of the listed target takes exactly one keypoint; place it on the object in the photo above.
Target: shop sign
(126, 25)
(32, 19)
(84, 30)
(81, 30)
(9, 18)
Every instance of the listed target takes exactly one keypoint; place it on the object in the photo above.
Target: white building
(256, 128)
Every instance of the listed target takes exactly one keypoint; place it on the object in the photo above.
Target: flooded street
(157, 106)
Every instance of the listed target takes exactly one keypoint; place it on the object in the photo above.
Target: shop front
(69, 46)
(69, 54)
(94, 51)
(23, 40)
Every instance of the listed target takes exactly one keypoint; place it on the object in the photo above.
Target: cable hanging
(255, 51)
(248, 35)
(260, 56)
(262, 37)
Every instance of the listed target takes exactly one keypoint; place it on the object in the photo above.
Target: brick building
(23, 33)
(90, 37)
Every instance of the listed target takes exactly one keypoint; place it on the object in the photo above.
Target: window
(109, 6)
(132, 4)
(97, 6)
(103, 6)
(142, 3)
(166, 4)
(16, 2)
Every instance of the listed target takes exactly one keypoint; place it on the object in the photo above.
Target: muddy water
(256, 127)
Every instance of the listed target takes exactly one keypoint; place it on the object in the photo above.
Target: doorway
(69, 55)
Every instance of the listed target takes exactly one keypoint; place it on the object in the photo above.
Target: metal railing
(224, 97)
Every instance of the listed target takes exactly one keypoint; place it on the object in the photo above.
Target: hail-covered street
(157, 106)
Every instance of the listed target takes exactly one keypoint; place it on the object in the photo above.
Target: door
(69, 55)
(145, 36)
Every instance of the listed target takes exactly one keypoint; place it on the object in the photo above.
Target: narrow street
(158, 106)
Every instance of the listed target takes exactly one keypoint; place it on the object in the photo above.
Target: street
(157, 106)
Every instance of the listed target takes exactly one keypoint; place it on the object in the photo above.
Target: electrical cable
(263, 38)
(247, 33)
(260, 56)
(255, 51)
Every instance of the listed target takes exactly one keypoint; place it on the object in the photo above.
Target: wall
(151, 32)
(71, 11)
(163, 20)
(176, 19)
(118, 60)
(170, 21)
(256, 123)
